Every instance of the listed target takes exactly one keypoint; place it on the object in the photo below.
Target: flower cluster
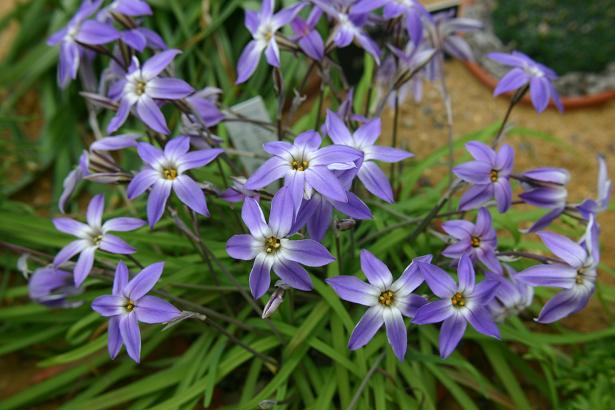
(325, 171)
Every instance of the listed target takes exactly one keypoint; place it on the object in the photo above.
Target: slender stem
(364, 382)
(514, 100)
(394, 141)
(321, 98)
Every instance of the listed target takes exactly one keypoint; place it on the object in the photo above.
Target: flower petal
(367, 133)
(451, 332)
(243, 247)
(166, 88)
(123, 224)
(307, 252)
(375, 181)
(480, 319)
(150, 115)
(145, 280)
(293, 274)
(157, 201)
(325, 182)
(109, 305)
(95, 210)
(386, 154)
(438, 280)
(552, 275)
(69, 251)
(120, 116)
(121, 278)
(458, 229)
(253, 217)
(476, 172)
(465, 272)
(367, 327)
(141, 182)
(113, 244)
(131, 335)
(84, 264)
(272, 169)
(282, 213)
(260, 276)
(248, 61)
(569, 251)
(191, 194)
(564, 304)
(200, 158)
(352, 289)
(377, 273)
(514, 79)
(151, 309)
(156, 64)
(70, 226)
(481, 151)
(433, 312)
(396, 332)
(114, 339)
(337, 130)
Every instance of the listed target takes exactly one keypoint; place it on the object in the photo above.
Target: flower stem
(514, 100)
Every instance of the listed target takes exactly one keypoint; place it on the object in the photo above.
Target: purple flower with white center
(388, 301)
(130, 304)
(363, 139)
(601, 203)
(527, 72)
(576, 273)
(545, 188)
(51, 287)
(511, 297)
(268, 244)
(317, 212)
(143, 88)
(412, 11)
(442, 31)
(489, 175)
(410, 60)
(165, 171)
(308, 37)
(93, 236)
(478, 241)
(305, 167)
(237, 192)
(263, 26)
(350, 19)
(458, 304)
(79, 30)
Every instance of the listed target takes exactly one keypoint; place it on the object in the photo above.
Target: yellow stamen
(458, 300)
(386, 298)
(475, 241)
(272, 244)
(130, 306)
(299, 165)
(140, 87)
(169, 173)
(493, 175)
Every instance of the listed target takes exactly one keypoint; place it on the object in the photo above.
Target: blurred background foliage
(58, 359)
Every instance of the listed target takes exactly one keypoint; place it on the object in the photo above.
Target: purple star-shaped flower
(527, 71)
(412, 11)
(576, 273)
(305, 167)
(350, 19)
(268, 244)
(363, 139)
(79, 30)
(601, 203)
(388, 301)
(307, 36)
(545, 188)
(489, 175)
(410, 59)
(138, 37)
(130, 304)
(479, 241)
(165, 171)
(442, 31)
(263, 26)
(511, 296)
(459, 304)
(93, 236)
(51, 287)
(143, 88)
(317, 211)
